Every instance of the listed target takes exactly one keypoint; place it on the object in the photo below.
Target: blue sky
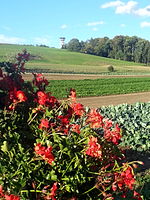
(44, 21)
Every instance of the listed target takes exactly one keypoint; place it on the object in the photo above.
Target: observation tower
(62, 41)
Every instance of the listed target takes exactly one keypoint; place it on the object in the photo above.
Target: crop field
(99, 87)
(63, 61)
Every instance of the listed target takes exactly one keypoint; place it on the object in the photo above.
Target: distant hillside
(60, 60)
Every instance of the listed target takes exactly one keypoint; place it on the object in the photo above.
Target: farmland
(63, 61)
(99, 87)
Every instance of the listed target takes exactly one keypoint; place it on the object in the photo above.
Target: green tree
(74, 45)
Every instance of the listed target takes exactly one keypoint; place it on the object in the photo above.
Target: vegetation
(53, 150)
(134, 121)
(99, 87)
(111, 68)
(120, 47)
(64, 61)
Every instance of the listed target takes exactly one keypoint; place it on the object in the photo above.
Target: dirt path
(95, 102)
(56, 76)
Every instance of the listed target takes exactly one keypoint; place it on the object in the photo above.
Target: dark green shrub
(110, 68)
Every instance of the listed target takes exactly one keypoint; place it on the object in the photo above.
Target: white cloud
(95, 23)
(144, 12)
(123, 25)
(11, 40)
(95, 29)
(112, 4)
(127, 8)
(63, 26)
(145, 24)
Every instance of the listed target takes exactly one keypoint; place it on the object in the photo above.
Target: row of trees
(120, 47)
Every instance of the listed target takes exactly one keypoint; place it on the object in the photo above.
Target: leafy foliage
(134, 121)
(99, 87)
(56, 150)
(120, 47)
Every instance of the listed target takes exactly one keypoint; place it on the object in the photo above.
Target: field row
(99, 87)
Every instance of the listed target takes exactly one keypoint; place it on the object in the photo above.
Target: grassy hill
(59, 60)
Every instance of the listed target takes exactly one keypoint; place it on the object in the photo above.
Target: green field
(99, 87)
(59, 60)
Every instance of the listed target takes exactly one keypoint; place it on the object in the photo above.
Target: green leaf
(4, 147)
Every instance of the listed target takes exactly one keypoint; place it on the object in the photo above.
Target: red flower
(73, 198)
(45, 153)
(52, 101)
(107, 123)
(137, 196)
(17, 96)
(76, 128)
(72, 94)
(21, 96)
(1, 191)
(112, 135)
(23, 57)
(42, 97)
(40, 81)
(12, 197)
(94, 119)
(44, 124)
(52, 193)
(94, 148)
(78, 109)
(64, 119)
(45, 99)
(128, 177)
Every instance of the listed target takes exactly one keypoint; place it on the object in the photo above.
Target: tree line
(120, 47)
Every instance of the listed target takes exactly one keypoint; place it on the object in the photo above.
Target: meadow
(63, 61)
